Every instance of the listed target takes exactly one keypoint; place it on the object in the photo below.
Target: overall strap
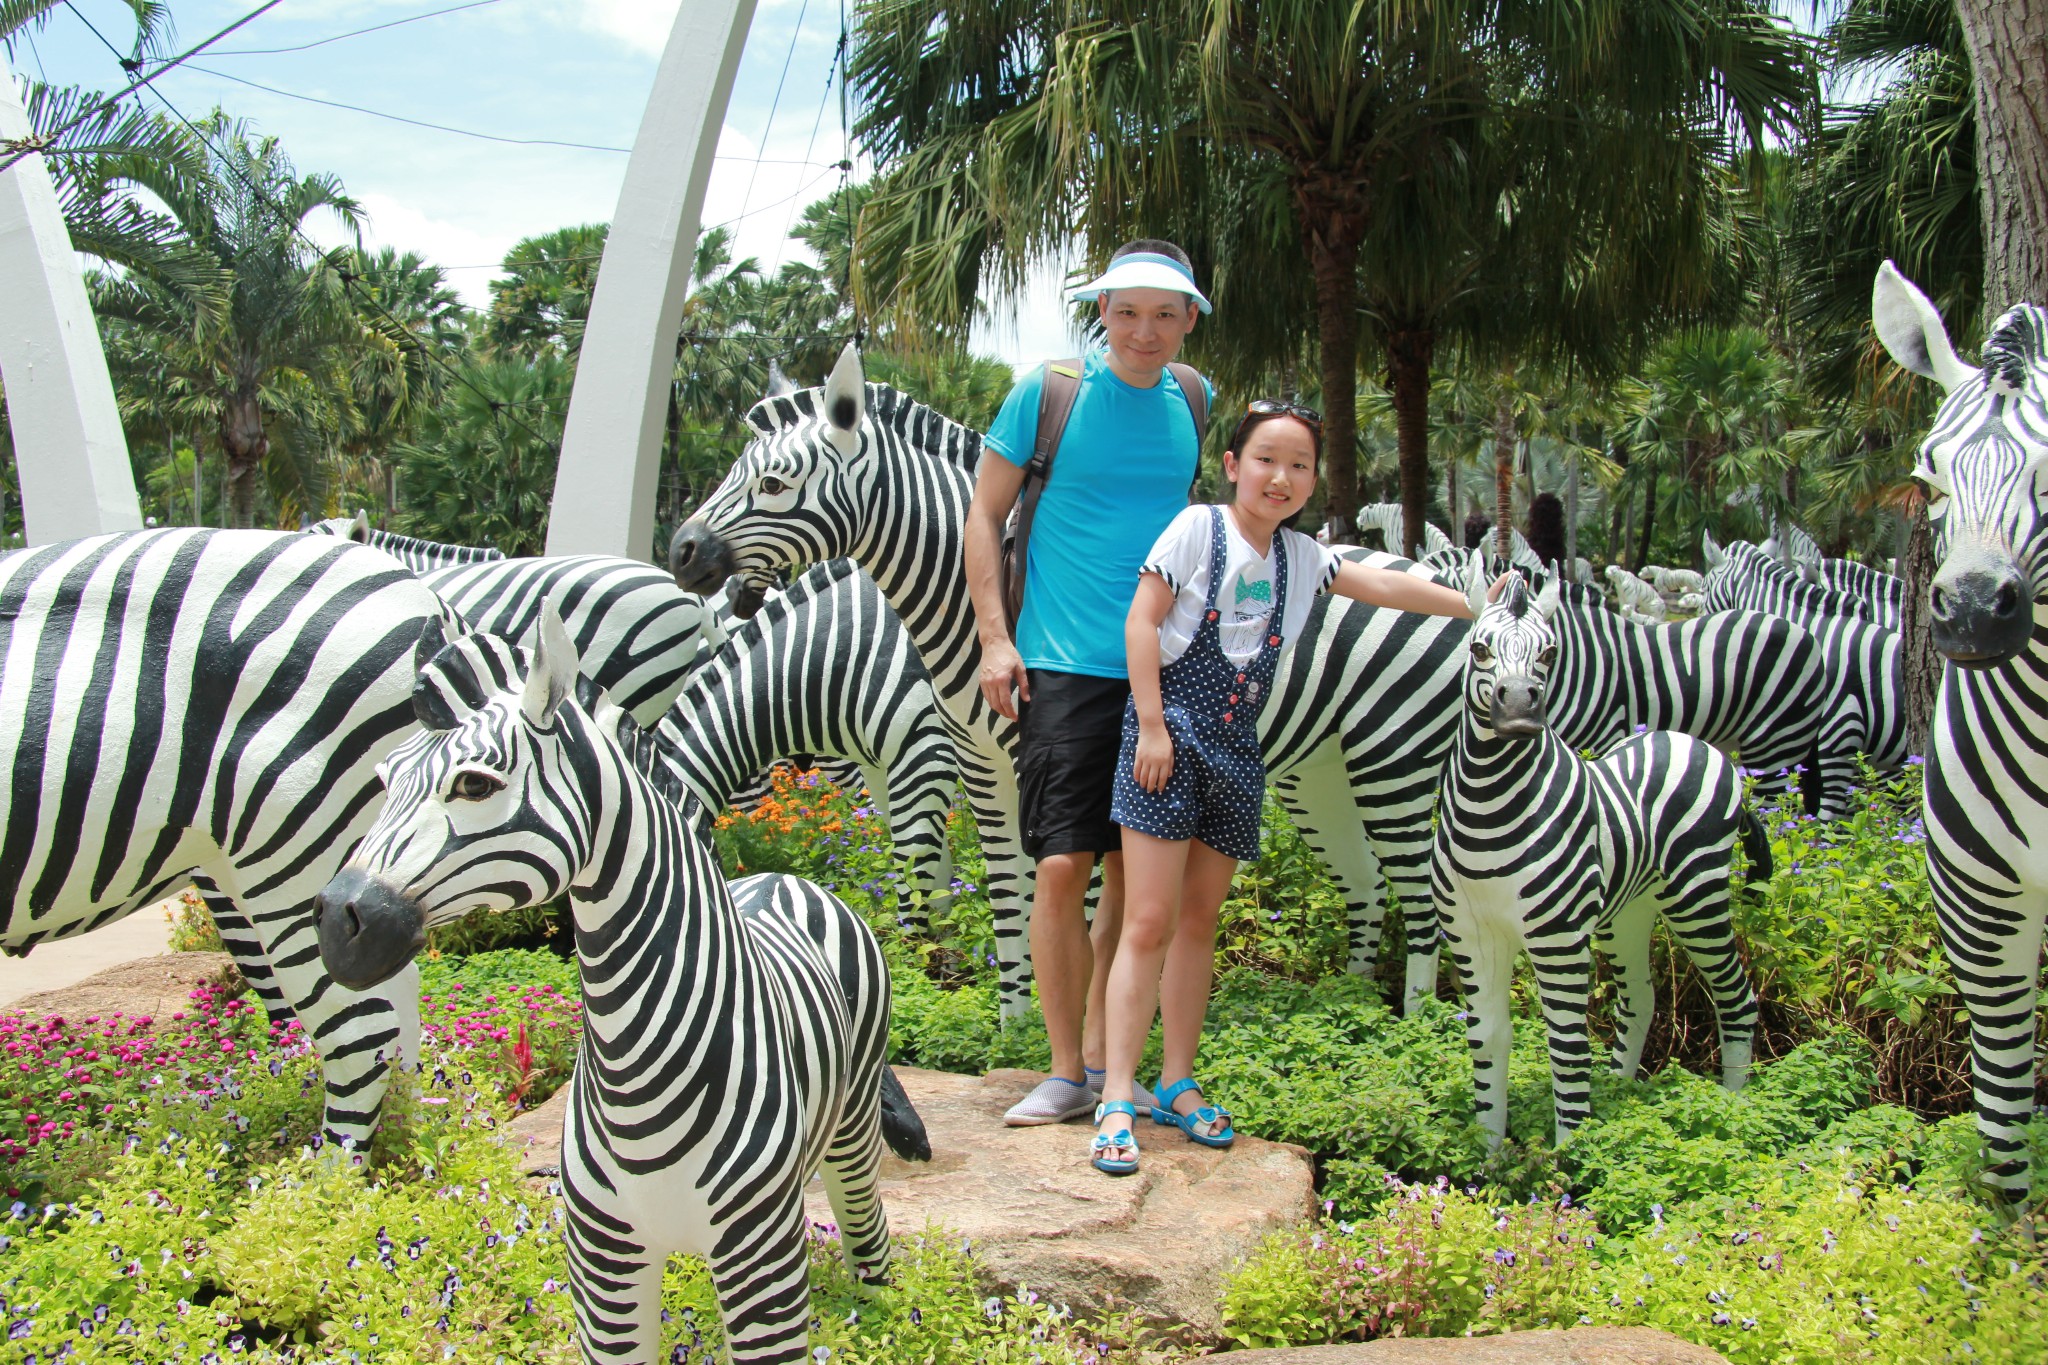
(1219, 559)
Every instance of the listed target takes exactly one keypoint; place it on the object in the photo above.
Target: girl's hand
(1153, 764)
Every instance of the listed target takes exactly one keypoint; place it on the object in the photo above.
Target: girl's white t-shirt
(1245, 599)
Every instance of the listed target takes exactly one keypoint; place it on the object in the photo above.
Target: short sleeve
(1182, 548)
(1319, 562)
(1015, 430)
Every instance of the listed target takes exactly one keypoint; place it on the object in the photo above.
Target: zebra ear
(845, 399)
(1475, 583)
(1546, 601)
(1712, 554)
(432, 638)
(1912, 331)
(552, 675)
(359, 529)
(779, 384)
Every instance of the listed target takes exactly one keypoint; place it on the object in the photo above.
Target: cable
(817, 122)
(28, 146)
(357, 33)
(768, 128)
(417, 123)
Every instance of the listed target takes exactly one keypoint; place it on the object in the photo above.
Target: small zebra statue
(1538, 848)
(734, 1036)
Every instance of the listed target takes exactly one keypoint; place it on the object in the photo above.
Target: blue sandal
(1110, 1142)
(1165, 1116)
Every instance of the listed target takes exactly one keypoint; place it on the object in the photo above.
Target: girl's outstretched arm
(1404, 592)
(1153, 764)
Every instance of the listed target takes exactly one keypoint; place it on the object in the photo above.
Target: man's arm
(996, 485)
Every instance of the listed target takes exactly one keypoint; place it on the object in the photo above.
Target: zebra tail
(902, 1129)
(1756, 845)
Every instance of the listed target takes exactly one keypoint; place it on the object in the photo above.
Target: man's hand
(1153, 764)
(1002, 672)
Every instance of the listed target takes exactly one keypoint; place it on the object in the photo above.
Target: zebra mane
(1517, 594)
(2015, 347)
(923, 429)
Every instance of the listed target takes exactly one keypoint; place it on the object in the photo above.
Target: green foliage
(482, 471)
(192, 927)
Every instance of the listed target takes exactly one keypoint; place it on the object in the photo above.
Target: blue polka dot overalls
(1212, 712)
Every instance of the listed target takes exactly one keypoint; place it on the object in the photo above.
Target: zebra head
(1512, 650)
(1984, 465)
(798, 494)
(487, 808)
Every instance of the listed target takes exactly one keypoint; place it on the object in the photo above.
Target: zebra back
(421, 556)
(636, 632)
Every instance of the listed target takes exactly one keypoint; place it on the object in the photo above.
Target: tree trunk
(1503, 480)
(2008, 46)
(1649, 523)
(246, 445)
(1409, 357)
(1571, 505)
(1332, 207)
(1621, 515)
(1916, 629)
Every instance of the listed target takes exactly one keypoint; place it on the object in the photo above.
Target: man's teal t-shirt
(1121, 473)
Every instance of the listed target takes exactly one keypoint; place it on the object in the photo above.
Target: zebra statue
(1448, 562)
(1860, 660)
(205, 707)
(1882, 594)
(1362, 707)
(734, 1037)
(1391, 521)
(1746, 682)
(1538, 848)
(1986, 810)
(1636, 598)
(421, 556)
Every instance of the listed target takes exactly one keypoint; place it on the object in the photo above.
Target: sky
(539, 72)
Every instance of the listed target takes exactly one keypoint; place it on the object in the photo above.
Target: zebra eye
(771, 485)
(474, 786)
(1481, 654)
(1547, 656)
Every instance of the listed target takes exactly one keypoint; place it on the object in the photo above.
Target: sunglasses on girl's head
(1274, 407)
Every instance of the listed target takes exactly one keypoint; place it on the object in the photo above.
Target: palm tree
(544, 300)
(267, 358)
(482, 471)
(1300, 128)
(419, 334)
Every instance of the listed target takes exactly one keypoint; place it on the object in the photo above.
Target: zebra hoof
(368, 931)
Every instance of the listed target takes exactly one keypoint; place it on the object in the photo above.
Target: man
(1122, 470)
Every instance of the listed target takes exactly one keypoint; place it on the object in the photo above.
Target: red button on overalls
(1226, 715)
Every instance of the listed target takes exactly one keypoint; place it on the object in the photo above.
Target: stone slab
(158, 986)
(1577, 1346)
(67, 961)
(1159, 1242)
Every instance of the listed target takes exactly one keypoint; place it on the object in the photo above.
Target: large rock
(157, 987)
(1578, 1346)
(1159, 1242)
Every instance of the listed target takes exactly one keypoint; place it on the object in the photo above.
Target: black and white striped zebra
(637, 633)
(209, 707)
(1362, 706)
(734, 1037)
(1539, 849)
(1863, 669)
(1984, 465)
(1746, 682)
(1882, 593)
(421, 556)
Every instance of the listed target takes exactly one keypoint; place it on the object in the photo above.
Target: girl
(1221, 594)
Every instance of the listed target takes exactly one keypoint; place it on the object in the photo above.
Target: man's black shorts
(1067, 747)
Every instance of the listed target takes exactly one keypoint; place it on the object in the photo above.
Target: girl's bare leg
(1152, 901)
(1191, 966)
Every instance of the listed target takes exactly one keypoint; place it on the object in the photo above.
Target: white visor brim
(1129, 274)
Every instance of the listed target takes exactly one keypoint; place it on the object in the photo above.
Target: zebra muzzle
(1518, 708)
(368, 931)
(698, 558)
(1982, 610)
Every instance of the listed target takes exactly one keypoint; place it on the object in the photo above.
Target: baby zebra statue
(1538, 848)
(734, 1037)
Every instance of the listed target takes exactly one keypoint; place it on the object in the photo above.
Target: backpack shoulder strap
(1059, 388)
(1196, 391)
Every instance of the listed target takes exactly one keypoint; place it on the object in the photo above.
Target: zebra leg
(852, 1163)
(1564, 979)
(359, 1035)
(1318, 797)
(992, 795)
(764, 1289)
(1485, 956)
(1993, 939)
(1626, 942)
(614, 1279)
(1695, 905)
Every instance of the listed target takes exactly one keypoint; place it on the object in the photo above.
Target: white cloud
(641, 24)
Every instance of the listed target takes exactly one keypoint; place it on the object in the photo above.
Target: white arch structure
(69, 450)
(61, 402)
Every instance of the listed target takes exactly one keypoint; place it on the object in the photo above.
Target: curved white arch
(611, 446)
(69, 450)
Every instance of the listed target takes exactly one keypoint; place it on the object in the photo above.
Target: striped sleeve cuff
(1171, 582)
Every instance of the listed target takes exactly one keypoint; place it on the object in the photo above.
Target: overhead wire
(29, 146)
(768, 128)
(353, 33)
